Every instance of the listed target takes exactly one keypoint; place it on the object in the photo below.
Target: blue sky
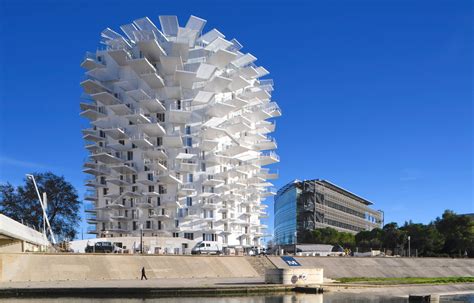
(376, 95)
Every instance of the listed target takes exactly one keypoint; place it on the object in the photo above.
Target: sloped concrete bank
(81, 267)
(339, 267)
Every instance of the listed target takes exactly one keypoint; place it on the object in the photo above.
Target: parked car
(101, 247)
(207, 247)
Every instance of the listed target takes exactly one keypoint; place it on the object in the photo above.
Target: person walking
(143, 274)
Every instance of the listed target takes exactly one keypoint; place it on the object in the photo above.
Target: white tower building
(179, 134)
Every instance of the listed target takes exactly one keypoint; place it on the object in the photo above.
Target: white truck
(207, 247)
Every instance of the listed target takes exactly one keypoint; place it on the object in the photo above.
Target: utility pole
(296, 233)
(45, 216)
(409, 247)
(141, 239)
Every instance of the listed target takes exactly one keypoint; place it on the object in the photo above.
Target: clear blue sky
(376, 95)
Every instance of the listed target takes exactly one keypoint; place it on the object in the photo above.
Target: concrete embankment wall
(338, 267)
(59, 267)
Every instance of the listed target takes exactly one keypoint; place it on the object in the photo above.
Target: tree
(458, 232)
(424, 238)
(393, 237)
(22, 204)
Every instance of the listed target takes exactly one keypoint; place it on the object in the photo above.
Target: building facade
(307, 205)
(179, 124)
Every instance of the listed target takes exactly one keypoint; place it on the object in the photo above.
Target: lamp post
(409, 247)
(296, 233)
(141, 239)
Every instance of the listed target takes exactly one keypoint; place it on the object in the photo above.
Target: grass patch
(408, 280)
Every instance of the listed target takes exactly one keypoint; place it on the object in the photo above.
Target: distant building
(307, 205)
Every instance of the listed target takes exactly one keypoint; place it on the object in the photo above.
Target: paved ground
(155, 283)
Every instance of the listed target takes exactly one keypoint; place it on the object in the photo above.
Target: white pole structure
(45, 217)
(45, 205)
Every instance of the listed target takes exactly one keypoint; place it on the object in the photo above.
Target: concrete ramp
(339, 267)
(61, 267)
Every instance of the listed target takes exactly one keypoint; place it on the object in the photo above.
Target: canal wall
(339, 267)
(63, 267)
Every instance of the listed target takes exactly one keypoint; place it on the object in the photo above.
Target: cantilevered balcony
(121, 109)
(155, 165)
(156, 153)
(153, 105)
(116, 133)
(220, 109)
(151, 179)
(267, 158)
(92, 87)
(268, 144)
(187, 189)
(90, 195)
(119, 180)
(92, 135)
(91, 61)
(142, 140)
(152, 127)
(179, 113)
(106, 156)
(169, 177)
(95, 169)
(92, 112)
(121, 56)
(173, 139)
(106, 98)
(161, 214)
(153, 80)
(138, 116)
(141, 66)
(125, 168)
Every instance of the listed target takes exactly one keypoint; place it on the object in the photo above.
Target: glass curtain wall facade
(307, 205)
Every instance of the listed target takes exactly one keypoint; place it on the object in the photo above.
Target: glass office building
(307, 205)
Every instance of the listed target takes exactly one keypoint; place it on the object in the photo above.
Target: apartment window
(102, 180)
(131, 202)
(189, 141)
(158, 201)
(203, 166)
(148, 224)
(104, 191)
(160, 117)
(99, 58)
(190, 177)
(148, 200)
(188, 130)
(120, 190)
(189, 201)
(209, 237)
(159, 225)
(224, 215)
(134, 188)
(129, 155)
(176, 223)
(175, 235)
(178, 104)
(103, 226)
(123, 201)
(122, 142)
(146, 168)
(189, 236)
(161, 189)
(159, 141)
(151, 188)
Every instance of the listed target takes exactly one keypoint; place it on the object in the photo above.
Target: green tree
(393, 237)
(424, 238)
(458, 232)
(21, 204)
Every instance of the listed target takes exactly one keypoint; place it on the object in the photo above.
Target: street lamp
(409, 247)
(141, 238)
(296, 233)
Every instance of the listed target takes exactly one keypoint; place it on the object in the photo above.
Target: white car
(207, 247)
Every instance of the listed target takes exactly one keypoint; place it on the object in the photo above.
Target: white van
(207, 247)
